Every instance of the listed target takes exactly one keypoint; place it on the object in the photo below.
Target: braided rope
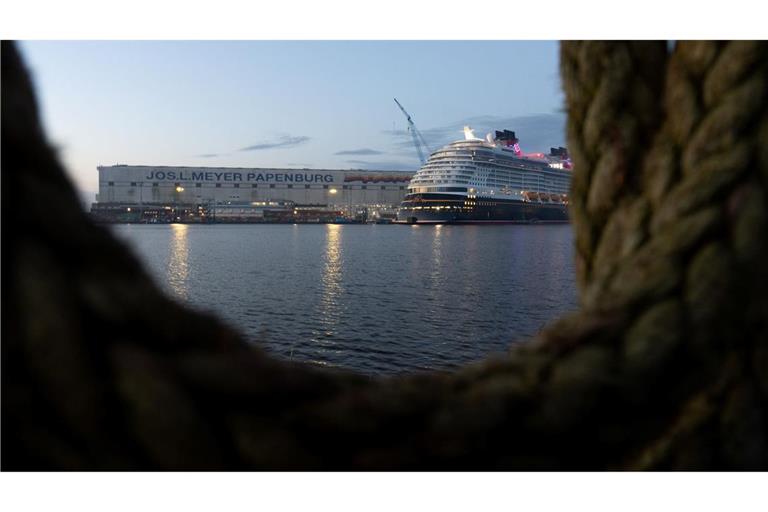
(665, 366)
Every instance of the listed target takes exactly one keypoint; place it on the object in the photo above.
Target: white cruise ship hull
(458, 209)
(488, 181)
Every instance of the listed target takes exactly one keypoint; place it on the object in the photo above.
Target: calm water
(379, 299)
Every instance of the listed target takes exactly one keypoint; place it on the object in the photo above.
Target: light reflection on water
(378, 299)
(328, 310)
(436, 269)
(178, 261)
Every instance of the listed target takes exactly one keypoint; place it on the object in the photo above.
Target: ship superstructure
(489, 180)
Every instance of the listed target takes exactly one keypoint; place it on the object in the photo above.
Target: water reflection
(436, 270)
(330, 298)
(178, 261)
(377, 299)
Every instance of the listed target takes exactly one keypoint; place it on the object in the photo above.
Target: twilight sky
(321, 104)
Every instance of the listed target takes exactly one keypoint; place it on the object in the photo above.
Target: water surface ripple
(375, 298)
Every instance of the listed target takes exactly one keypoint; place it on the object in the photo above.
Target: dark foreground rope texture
(665, 366)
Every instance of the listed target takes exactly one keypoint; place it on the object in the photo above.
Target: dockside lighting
(179, 189)
(332, 191)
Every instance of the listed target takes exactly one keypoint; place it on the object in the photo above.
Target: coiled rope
(664, 366)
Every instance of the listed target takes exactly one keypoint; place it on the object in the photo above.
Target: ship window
(218, 185)
(133, 183)
(111, 183)
(326, 186)
(237, 185)
(383, 187)
(198, 185)
(402, 188)
(271, 185)
(154, 184)
(306, 186)
(290, 186)
(364, 187)
(254, 186)
(345, 187)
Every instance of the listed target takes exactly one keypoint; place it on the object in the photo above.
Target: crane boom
(418, 138)
(407, 115)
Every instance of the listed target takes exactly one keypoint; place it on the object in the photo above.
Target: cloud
(283, 141)
(537, 132)
(362, 151)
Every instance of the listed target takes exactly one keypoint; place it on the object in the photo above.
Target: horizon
(285, 104)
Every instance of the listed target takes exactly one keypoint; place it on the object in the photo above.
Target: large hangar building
(122, 187)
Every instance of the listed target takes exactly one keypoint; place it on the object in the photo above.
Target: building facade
(324, 188)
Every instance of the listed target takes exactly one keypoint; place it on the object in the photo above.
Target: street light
(179, 190)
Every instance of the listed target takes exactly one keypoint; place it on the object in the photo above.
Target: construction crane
(418, 139)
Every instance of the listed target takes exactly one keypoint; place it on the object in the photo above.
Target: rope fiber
(665, 365)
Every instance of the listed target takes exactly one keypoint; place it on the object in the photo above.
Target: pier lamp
(179, 190)
(332, 191)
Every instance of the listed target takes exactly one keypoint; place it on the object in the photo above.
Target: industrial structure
(141, 193)
(422, 148)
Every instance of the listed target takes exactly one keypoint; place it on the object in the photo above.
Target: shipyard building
(132, 192)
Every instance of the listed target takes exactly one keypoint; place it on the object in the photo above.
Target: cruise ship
(489, 180)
